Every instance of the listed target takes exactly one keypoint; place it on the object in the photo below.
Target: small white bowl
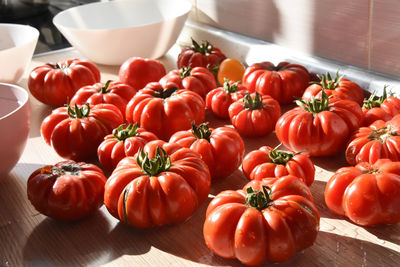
(14, 125)
(111, 32)
(17, 44)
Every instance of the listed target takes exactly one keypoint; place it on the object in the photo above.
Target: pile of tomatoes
(147, 131)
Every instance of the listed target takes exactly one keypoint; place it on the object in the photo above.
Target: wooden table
(31, 239)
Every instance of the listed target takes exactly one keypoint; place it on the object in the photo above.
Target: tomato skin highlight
(290, 223)
(368, 194)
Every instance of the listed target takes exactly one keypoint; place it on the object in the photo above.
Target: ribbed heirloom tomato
(320, 127)
(336, 87)
(198, 79)
(269, 220)
(270, 162)
(221, 148)
(380, 140)
(219, 99)
(164, 111)
(126, 140)
(254, 115)
(368, 194)
(284, 82)
(75, 132)
(163, 184)
(200, 55)
(383, 108)
(56, 84)
(115, 93)
(67, 191)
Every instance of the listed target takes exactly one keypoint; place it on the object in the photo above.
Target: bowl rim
(35, 34)
(188, 4)
(24, 101)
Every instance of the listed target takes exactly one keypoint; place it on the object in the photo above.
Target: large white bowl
(111, 32)
(14, 125)
(17, 44)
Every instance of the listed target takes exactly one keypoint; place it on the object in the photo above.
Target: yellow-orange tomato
(231, 69)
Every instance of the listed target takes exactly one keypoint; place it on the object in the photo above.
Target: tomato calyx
(153, 166)
(185, 72)
(205, 48)
(78, 112)
(382, 134)
(230, 88)
(64, 168)
(122, 133)
(259, 199)
(315, 105)
(104, 89)
(165, 93)
(326, 81)
(374, 101)
(252, 103)
(202, 131)
(279, 156)
(372, 170)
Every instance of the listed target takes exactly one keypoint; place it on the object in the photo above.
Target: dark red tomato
(284, 82)
(115, 93)
(336, 87)
(67, 191)
(162, 184)
(205, 55)
(221, 149)
(126, 140)
(368, 194)
(56, 84)
(198, 79)
(380, 108)
(380, 140)
(270, 162)
(319, 127)
(164, 111)
(137, 72)
(254, 115)
(269, 220)
(219, 99)
(76, 132)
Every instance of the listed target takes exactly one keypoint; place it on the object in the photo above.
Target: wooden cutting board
(31, 239)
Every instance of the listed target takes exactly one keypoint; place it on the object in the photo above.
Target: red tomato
(270, 162)
(205, 55)
(337, 87)
(67, 191)
(380, 108)
(126, 140)
(199, 80)
(219, 99)
(76, 132)
(319, 127)
(115, 93)
(221, 149)
(137, 72)
(165, 111)
(269, 220)
(284, 82)
(162, 184)
(379, 140)
(230, 69)
(254, 115)
(367, 194)
(56, 84)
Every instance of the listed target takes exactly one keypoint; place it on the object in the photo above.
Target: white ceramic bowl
(17, 44)
(111, 32)
(14, 125)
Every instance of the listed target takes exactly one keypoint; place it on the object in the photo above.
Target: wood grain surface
(28, 238)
